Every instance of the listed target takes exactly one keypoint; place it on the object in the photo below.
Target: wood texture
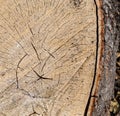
(111, 40)
(47, 56)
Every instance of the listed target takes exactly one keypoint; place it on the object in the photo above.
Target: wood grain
(56, 39)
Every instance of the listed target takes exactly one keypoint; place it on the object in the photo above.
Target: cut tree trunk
(106, 67)
(47, 56)
(57, 57)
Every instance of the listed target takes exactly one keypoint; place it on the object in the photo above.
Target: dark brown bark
(111, 11)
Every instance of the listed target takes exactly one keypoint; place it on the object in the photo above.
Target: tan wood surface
(56, 39)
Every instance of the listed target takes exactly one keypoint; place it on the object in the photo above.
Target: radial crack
(41, 76)
(35, 51)
(17, 80)
(49, 53)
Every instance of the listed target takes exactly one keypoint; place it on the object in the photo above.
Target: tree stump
(51, 57)
(48, 51)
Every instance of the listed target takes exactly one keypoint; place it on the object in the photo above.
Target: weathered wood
(47, 56)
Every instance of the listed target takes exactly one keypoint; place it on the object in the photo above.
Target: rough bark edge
(111, 10)
(108, 22)
(99, 68)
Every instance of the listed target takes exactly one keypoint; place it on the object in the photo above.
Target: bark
(111, 12)
(58, 57)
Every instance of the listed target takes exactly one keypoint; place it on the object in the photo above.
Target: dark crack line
(35, 51)
(49, 53)
(96, 60)
(41, 76)
(21, 46)
(17, 82)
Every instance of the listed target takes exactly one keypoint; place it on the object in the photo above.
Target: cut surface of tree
(47, 56)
